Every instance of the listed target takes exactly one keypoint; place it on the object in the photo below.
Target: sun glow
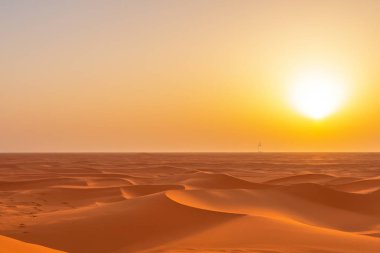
(317, 94)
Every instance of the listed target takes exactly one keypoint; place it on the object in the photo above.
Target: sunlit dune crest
(9, 245)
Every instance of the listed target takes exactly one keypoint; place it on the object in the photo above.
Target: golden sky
(185, 75)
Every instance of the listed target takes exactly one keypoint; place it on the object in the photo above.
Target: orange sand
(267, 203)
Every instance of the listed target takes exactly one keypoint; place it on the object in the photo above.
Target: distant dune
(173, 203)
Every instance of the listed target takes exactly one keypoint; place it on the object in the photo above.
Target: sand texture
(263, 203)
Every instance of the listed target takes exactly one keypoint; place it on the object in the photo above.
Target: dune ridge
(9, 245)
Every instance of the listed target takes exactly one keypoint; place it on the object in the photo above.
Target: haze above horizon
(180, 76)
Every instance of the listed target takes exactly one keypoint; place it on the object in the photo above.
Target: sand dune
(366, 204)
(38, 183)
(218, 181)
(142, 190)
(341, 180)
(278, 204)
(175, 203)
(80, 196)
(9, 245)
(162, 170)
(243, 235)
(135, 224)
(305, 178)
(360, 186)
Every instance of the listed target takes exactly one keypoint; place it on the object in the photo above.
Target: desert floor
(222, 202)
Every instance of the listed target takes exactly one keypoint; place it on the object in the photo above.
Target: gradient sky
(183, 75)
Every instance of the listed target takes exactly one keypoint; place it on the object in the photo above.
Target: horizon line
(176, 152)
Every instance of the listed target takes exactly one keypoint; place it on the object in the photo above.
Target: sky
(178, 76)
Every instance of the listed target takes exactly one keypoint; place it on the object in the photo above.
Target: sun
(317, 94)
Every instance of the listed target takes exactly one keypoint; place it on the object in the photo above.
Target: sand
(9, 245)
(267, 203)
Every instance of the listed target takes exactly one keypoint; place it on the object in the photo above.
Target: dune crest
(9, 245)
